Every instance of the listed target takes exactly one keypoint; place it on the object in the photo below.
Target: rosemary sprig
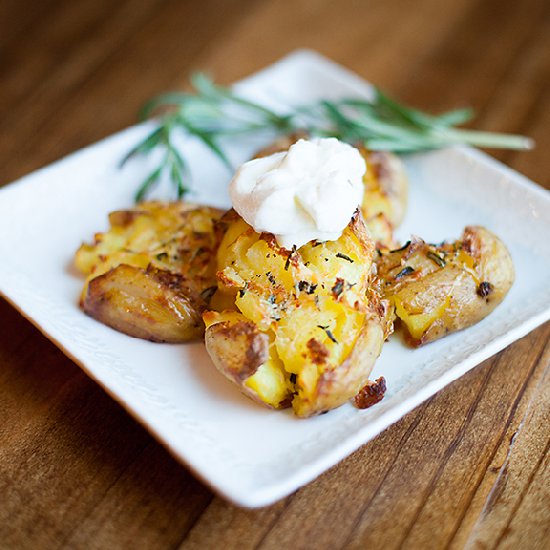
(213, 112)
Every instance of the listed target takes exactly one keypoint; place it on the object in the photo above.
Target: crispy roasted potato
(301, 327)
(177, 237)
(386, 195)
(386, 189)
(153, 273)
(386, 186)
(438, 289)
(150, 303)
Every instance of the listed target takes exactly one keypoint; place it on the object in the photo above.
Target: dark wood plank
(74, 463)
(515, 512)
(90, 89)
(534, 163)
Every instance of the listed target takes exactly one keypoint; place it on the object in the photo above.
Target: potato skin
(241, 352)
(313, 313)
(386, 186)
(437, 290)
(153, 272)
(238, 348)
(147, 303)
(340, 384)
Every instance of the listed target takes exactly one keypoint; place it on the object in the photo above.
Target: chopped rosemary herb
(243, 290)
(328, 333)
(271, 298)
(291, 253)
(436, 258)
(207, 293)
(338, 287)
(293, 378)
(406, 245)
(404, 272)
(307, 287)
(344, 257)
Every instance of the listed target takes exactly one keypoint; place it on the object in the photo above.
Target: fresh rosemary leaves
(213, 112)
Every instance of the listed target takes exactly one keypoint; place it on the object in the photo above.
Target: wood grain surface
(470, 468)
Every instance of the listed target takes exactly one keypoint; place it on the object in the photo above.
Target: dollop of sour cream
(308, 192)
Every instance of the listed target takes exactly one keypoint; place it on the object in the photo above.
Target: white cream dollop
(308, 192)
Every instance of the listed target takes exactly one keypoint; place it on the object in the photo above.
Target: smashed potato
(386, 195)
(301, 327)
(153, 273)
(438, 289)
(149, 303)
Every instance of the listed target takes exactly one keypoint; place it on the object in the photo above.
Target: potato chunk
(301, 327)
(439, 289)
(386, 186)
(147, 303)
(153, 273)
(386, 195)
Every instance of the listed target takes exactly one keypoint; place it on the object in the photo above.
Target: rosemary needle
(213, 112)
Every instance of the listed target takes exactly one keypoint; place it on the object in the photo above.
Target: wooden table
(470, 467)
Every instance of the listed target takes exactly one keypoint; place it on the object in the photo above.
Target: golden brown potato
(439, 289)
(301, 327)
(386, 189)
(381, 231)
(165, 248)
(241, 352)
(177, 237)
(150, 303)
(386, 186)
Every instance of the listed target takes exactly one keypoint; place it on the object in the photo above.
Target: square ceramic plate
(250, 455)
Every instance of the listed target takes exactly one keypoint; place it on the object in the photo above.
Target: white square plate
(250, 455)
